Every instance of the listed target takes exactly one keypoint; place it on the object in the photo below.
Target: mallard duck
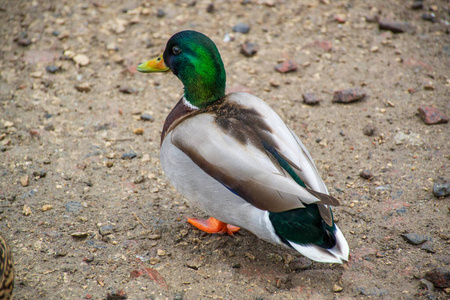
(235, 159)
(6, 271)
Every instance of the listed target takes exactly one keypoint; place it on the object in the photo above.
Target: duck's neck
(205, 82)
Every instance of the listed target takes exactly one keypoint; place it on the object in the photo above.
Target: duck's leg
(213, 225)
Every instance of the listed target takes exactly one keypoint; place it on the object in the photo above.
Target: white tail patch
(334, 255)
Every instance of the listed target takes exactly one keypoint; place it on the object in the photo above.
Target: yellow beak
(154, 65)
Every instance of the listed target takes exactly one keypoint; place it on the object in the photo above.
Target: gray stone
(73, 207)
(441, 188)
(147, 117)
(415, 239)
(129, 155)
(241, 27)
(106, 229)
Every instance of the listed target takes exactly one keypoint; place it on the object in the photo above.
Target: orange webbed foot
(213, 225)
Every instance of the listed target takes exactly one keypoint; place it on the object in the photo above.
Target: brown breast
(178, 113)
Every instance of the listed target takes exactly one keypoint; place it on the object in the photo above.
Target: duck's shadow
(252, 260)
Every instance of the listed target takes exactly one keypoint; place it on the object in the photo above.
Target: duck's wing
(244, 144)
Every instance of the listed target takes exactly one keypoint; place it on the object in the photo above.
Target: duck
(6, 271)
(233, 157)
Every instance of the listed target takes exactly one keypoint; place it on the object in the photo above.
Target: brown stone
(348, 96)
(310, 99)
(286, 66)
(440, 277)
(431, 115)
(249, 49)
(84, 87)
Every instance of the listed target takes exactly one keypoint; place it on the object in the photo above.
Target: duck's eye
(176, 50)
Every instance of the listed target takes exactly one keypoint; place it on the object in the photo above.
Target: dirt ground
(87, 209)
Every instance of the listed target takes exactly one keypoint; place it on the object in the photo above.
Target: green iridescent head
(195, 60)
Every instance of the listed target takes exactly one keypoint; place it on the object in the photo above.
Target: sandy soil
(86, 220)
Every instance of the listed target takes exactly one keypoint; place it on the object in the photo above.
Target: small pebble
(310, 99)
(428, 247)
(139, 179)
(337, 288)
(26, 210)
(395, 27)
(106, 230)
(145, 158)
(417, 5)
(52, 69)
(8, 124)
(415, 239)
(160, 13)
(161, 252)
(111, 155)
(24, 180)
(83, 87)
(193, 264)
(366, 174)
(81, 60)
(428, 86)
(36, 74)
(369, 129)
(241, 27)
(40, 173)
(109, 163)
(431, 115)
(89, 258)
(46, 207)
(138, 131)
(429, 17)
(154, 237)
(47, 161)
(441, 188)
(286, 66)
(79, 234)
(49, 127)
(249, 49)
(427, 284)
(374, 49)
(127, 90)
(112, 46)
(129, 155)
(274, 83)
(117, 295)
(209, 8)
(154, 260)
(147, 117)
(348, 95)
(340, 18)
(24, 42)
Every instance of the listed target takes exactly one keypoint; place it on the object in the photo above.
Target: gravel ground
(87, 209)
